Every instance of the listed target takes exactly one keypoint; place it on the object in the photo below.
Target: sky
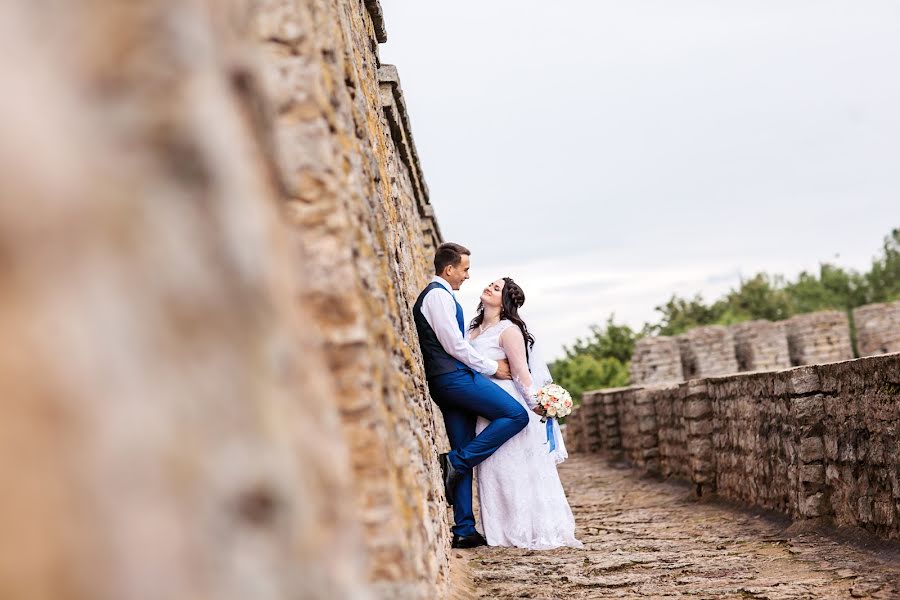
(608, 154)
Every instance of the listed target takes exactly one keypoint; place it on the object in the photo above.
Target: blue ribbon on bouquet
(551, 439)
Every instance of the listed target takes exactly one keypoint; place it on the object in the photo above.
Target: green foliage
(598, 361)
(583, 372)
(601, 360)
(760, 297)
(832, 288)
(681, 314)
(612, 341)
(883, 279)
(770, 297)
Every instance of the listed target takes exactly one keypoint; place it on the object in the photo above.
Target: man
(458, 381)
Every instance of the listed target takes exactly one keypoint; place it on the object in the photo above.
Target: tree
(760, 297)
(833, 288)
(681, 314)
(598, 361)
(883, 279)
(601, 359)
(612, 341)
(582, 372)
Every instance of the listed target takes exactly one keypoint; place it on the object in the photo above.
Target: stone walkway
(645, 538)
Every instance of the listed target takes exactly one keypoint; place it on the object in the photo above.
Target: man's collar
(443, 282)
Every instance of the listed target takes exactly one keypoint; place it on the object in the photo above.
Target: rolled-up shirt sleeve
(439, 309)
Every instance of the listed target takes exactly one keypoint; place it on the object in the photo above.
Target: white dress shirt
(439, 309)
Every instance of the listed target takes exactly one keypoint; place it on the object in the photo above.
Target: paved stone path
(645, 538)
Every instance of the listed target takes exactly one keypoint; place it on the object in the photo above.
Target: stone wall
(213, 226)
(877, 328)
(668, 403)
(811, 442)
(638, 429)
(753, 439)
(656, 360)
(685, 433)
(761, 345)
(819, 337)
(356, 201)
(596, 422)
(707, 351)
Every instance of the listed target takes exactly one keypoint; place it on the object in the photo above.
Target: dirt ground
(650, 539)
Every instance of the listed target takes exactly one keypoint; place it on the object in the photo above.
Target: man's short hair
(448, 254)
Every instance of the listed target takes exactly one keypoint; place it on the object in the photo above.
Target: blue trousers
(463, 396)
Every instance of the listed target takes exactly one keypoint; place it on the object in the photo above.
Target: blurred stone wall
(213, 224)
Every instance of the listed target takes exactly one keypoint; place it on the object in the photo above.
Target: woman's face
(493, 294)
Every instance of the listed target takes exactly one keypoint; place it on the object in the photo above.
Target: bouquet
(557, 402)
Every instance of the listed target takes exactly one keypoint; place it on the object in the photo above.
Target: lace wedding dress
(521, 498)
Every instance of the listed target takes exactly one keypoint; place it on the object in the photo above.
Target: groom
(458, 381)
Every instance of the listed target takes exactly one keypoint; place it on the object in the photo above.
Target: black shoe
(451, 477)
(468, 541)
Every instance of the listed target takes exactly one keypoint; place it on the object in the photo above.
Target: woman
(521, 498)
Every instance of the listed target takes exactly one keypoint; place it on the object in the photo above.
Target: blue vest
(437, 361)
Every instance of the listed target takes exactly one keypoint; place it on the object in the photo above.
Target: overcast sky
(607, 154)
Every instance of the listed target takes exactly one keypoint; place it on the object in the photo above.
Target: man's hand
(503, 371)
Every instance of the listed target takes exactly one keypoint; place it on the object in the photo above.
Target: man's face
(456, 275)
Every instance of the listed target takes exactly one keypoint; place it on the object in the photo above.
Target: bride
(521, 498)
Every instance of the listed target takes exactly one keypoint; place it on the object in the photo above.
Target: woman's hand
(503, 371)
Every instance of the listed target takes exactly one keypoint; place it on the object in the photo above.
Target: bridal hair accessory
(557, 402)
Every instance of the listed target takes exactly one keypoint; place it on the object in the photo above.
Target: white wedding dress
(521, 497)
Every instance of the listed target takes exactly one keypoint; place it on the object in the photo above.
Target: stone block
(832, 475)
(883, 512)
(700, 427)
(805, 380)
(815, 505)
(695, 408)
(820, 337)
(707, 351)
(847, 451)
(812, 449)
(761, 346)
(809, 409)
(831, 446)
(814, 474)
(877, 328)
(864, 506)
(656, 359)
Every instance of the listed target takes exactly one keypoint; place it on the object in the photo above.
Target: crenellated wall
(656, 359)
(761, 345)
(815, 441)
(707, 351)
(877, 328)
(819, 337)
(213, 224)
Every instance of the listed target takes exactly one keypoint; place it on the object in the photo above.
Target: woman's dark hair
(511, 300)
(448, 254)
